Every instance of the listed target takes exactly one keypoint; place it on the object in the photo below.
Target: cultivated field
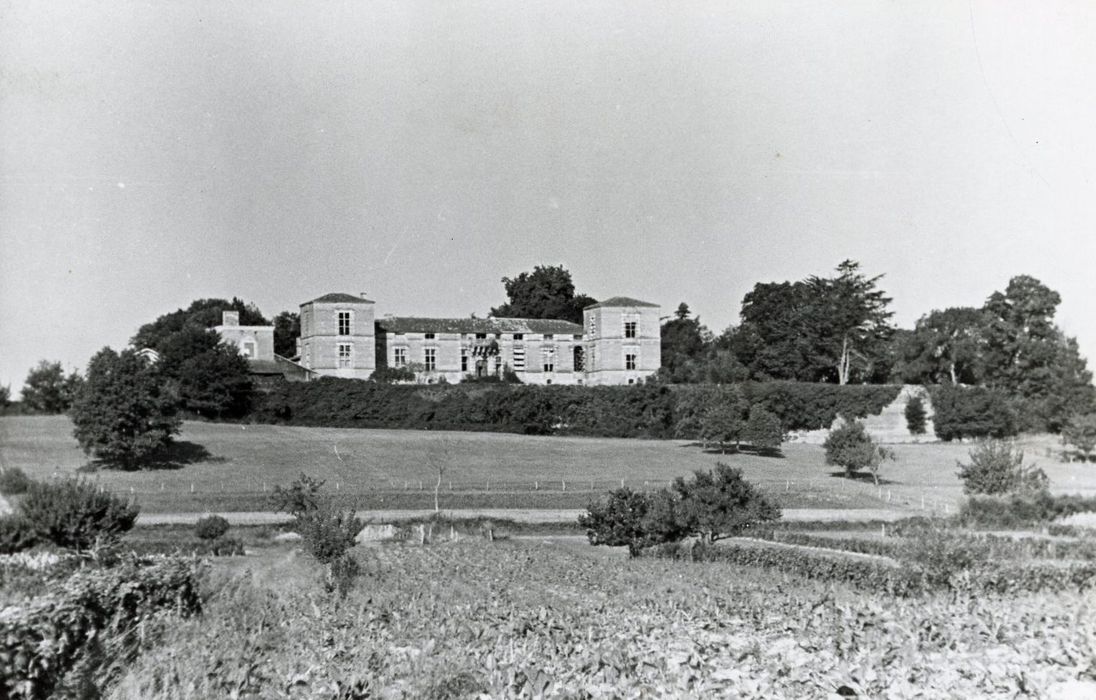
(528, 619)
(393, 469)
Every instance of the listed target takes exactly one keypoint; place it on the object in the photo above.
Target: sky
(153, 153)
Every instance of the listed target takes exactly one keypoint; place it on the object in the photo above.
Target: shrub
(720, 503)
(763, 430)
(16, 534)
(327, 533)
(211, 527)
(1021, 509)
(302, 496)
(75, 513)
(997, 467)
(963, 412)
(1080, 432)
(13, 481)
(618, 520)
(939, 554)
(852, 448)
(916, 416)
(341, 574)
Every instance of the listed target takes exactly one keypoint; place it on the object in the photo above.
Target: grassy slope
(381, 469)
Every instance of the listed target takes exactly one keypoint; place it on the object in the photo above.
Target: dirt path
(519, 515)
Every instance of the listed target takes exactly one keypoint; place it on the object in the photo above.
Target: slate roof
(411, 324)
(621, 301)
(340, 298)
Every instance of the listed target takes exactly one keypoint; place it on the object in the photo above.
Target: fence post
(536, 486)
(564, 484)
(192, 487)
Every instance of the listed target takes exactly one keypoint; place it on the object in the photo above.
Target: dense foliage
(546, 292)
(1018, 510)
(653, 410)
(76, 514)
(1080, 432)
(997, 467)
(916, 416)
(211, 527)
(327, 531)
(13, 481)
(966, 412)
(73, 637)
(123, 414)
(853, 449)
(16, 534)
(47, 389)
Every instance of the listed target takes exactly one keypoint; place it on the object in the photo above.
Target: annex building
(617, 343)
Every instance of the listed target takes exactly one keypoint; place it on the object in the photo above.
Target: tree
(203, 313)
(720, 503)
(916, 416)
(996, 468)
(1026, 355)
(546, 292)
(48, 390)
(684, 341)
(763, 430)
(722, 421)
(774, 338)
(852, 448)
(849, 318)
(945, 346)
(618, 520)
(287, 328)
(5, 396)
(76, 514)
(211, 376)
(123, 413)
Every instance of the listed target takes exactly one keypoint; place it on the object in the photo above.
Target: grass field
(392, 469)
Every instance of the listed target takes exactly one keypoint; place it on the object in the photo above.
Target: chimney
(362, 294)
(230, 318)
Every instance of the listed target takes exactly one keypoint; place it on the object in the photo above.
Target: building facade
(338, 338)
(623, 341)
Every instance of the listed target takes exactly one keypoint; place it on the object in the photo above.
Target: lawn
(233, 468)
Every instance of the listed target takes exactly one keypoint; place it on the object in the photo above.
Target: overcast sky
(152, 153)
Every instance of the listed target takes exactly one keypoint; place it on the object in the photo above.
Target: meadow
(233, 467)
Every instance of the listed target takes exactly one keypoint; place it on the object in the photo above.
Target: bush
(720, 503)
(302, 496)
(997, 467)
(16, 534)
(939, 554)
(916, 416)
(327, 533)
(211, 527)
(617, 520)
(851, 447)
(1016, 510)
(75, 513)
(964, 412)
(13, 481)
(763, 430)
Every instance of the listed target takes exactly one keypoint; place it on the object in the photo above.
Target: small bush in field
(720, 503)
(13, 481)
(327, 533)
(302, 496)
(996, 468)
(1081, 433)
(763, 430)
(618, 520)
(916, 416)
(211, 527)
(852, 448)
(16, 534)
(940, 554)
(75, 513)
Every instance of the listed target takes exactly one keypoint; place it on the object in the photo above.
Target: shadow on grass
(175, 456)
(863, 477)
(744, 450)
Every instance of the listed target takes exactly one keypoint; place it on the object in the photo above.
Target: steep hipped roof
(621, 301)
(340, 298)
(410, 324)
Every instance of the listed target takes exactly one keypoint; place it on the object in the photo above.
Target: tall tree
(203, 313)
(685, 341)
(47, 389)
(945, 346)
(287, 328)
(210, 376)
(773, 340)
(850, 319)
(124, 412)
(1028, 356)
(546, 292)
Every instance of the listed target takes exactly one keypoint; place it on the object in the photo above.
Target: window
(344, 355)
(549, 336)
(399, 357)
(429, 336)
(344, 323)
(519, 336)
(549, 360)
(578, 358)
(481, 336)
(630, 329)
(591, 324)
(519, 359)
(248, 348)
(630, 361)
(430, 358)
(498, 365)
(464, 359)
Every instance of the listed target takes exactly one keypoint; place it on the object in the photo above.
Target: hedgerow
(971, 411)
(649, 410)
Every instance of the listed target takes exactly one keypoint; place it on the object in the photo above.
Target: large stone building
(618, 343)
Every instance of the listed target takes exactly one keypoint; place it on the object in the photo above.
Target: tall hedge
(649, 410)
(971, 411)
